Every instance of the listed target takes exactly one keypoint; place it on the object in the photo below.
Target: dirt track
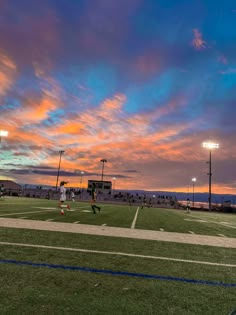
(119, 232)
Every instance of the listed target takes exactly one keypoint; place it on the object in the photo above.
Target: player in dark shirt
(93, 199)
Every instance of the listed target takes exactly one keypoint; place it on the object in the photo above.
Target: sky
(140, 83)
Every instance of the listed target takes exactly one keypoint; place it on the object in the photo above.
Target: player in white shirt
(63, 197)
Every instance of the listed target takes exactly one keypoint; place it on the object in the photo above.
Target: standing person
(2, 191)
(144, 202)
(188, 205)
(72, 196)
(63, 197)
(93, 199)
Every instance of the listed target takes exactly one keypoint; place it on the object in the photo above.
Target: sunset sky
(140, 83)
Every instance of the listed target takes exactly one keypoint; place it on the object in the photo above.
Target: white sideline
(119, 254)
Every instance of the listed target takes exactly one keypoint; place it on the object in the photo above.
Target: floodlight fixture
(210, 145)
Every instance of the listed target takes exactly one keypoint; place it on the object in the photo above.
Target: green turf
(122, 216)
(40, 290)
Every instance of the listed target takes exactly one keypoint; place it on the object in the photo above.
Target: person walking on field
(63, 197)
(188, 206)
(93, 199)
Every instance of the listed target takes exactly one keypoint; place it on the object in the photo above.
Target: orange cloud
(198, 43)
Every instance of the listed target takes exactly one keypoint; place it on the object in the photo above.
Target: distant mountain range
(198, 197)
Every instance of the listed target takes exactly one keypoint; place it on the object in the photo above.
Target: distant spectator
(2, 190)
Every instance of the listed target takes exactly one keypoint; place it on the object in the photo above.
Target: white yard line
(219, 223)
(135, 219)
(119, 254)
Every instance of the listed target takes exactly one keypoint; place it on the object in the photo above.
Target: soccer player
(72, 195)
(63, 197)
(93, 199)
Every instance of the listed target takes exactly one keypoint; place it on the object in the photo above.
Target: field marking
(222, 235)
(119, 254)
(197, 220)
(28, 212)
(219, 223)
(135, 219)
(45, 208)
(76, 222)
(191, 232)
(22, 217)
(49, 220)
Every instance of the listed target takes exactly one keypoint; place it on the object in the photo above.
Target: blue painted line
(118, 273)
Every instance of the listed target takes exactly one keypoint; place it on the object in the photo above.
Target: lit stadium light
(3, 133)
(210, 145)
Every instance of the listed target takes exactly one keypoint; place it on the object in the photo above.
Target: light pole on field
(81, 178)
(114, 184)
(103, 161)
(59, 165)
(210, 146)
(194, 181)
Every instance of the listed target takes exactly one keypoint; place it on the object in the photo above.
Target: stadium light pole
(59, 165)
(103, 161)
(3, 133)
(81, 178)
(210, 146)
(193, 180)
(114, 183)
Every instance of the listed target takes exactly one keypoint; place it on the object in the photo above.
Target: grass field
(73, 273)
